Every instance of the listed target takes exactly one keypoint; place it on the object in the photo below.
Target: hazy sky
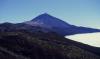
(77, 12)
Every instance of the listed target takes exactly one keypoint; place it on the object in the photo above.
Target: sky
(77, 12)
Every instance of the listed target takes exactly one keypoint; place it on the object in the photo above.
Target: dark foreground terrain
(22, 44)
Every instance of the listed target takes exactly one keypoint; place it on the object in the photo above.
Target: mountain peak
(44, 16)
(47, 20)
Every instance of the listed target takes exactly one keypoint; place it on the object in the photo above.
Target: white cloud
(92, 39)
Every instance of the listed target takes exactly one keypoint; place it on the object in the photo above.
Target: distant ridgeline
(48, 23)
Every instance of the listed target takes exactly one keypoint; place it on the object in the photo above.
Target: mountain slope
(9, 27)
(42, 46)
(58, 26)
(20, 26)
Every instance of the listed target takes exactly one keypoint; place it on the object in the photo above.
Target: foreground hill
(22, 44)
